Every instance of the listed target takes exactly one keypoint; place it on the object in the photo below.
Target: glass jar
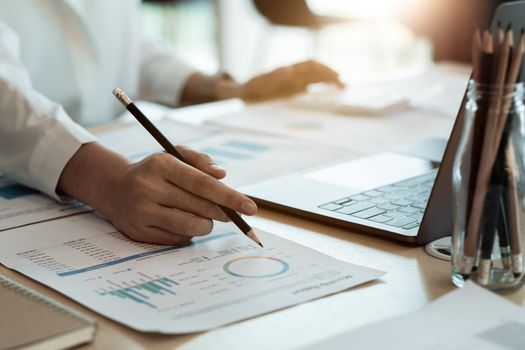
(488, 189)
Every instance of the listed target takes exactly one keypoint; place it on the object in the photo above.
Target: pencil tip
(509, 26)
(251, 235)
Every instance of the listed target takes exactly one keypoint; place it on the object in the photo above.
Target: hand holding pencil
(201, 197)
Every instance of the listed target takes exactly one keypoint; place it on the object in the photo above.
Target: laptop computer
(403, 195)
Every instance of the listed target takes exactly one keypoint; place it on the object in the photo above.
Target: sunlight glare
(363, 9)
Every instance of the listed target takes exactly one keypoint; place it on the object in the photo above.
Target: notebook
(29, 320)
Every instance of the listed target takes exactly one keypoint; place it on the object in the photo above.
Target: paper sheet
(468, 318)
(219, 279)
(436, 100)
(438, 89)
(20, 205)
(247, 157)
(358, 134)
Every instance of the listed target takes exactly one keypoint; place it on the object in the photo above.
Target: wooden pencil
(516, 244)
(484, 73)
(483, 50)
(476, 55)
(488, 154)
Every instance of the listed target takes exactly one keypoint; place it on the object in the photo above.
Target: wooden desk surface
(414, 279)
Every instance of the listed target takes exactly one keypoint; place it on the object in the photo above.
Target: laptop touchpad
(372, 171)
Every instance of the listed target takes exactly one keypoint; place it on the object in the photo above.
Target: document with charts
(248, 157)
(219, 279)
(21, 205)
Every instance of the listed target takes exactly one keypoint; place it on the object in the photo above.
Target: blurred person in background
(59, 61)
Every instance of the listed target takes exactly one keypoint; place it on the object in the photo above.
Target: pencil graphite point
(251, 234)
(122, 97)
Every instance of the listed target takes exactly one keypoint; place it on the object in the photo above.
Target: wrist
(92, 175)
(224, 87)
(202, 88)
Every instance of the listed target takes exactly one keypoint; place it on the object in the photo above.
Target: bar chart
(223, 152)
(142, 290)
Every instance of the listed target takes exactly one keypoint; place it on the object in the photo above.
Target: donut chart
(256, 267)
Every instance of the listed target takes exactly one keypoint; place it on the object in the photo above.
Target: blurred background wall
(364, 40)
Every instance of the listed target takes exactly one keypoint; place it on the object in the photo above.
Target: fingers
(177, 222)
(314, 72)
(158, 235)
(174, 197)
(205, 186)
(164, 200)
(201, 161)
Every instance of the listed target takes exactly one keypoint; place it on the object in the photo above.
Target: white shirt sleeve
(37, 137)
(163, 74)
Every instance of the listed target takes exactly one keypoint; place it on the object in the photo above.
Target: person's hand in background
(157, 200)
(288, 80)
(279, 82)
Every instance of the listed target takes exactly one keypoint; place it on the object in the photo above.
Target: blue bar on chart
(225, 153)
(236, 150)
(142, 293)
(247, 146)
(14, 191)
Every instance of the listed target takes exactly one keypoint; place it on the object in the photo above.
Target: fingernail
(215, 166)
(248, 207)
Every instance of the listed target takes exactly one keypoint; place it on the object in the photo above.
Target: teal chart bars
(215, 280)
(13, 190)
(140, 291)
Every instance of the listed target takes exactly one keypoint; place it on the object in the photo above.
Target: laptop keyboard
(401, 204)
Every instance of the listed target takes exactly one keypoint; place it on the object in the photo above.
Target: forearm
(90, 175)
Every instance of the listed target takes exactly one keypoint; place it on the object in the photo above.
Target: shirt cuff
(53, 153)
(164, 78)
